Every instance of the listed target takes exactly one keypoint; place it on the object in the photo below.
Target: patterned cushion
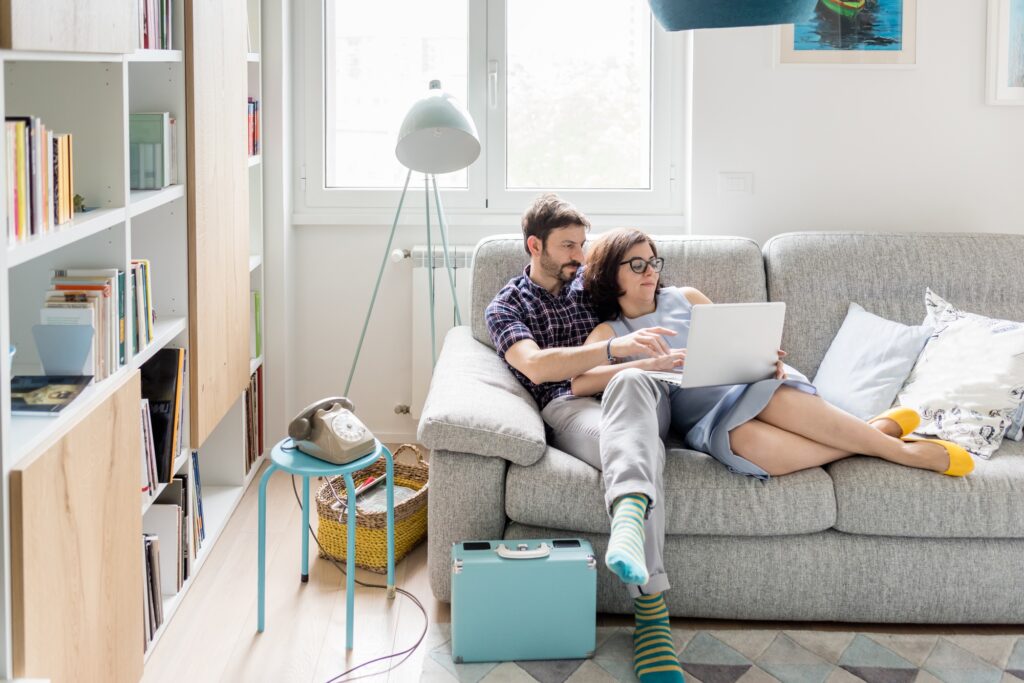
(702, 497)
(879, 498)
(969, 380)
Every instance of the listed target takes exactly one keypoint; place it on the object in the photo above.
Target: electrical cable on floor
(408, 651)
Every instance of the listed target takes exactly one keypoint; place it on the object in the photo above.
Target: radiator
(424, 269)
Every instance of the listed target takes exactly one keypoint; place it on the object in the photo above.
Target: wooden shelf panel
(81, 226)
(155, 56)
(142, 201)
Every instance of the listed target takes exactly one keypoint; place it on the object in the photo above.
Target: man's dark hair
(601, 279)
(548, 213)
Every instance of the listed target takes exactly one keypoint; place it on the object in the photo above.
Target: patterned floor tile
(750, 644)
(843, 676)
(925, 677)
(433, 672)
(619, 669)
(465, 673)
(712, 661)
(1015, 676)
(757, 675)
(551, 670)
(590, 672)
(510, 672)
(864, 651)
(913, 648)
(995, 650)
(829, 645)
(953, 664)
(1016, 660)
(790, 663)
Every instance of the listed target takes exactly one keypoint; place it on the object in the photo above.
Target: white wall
(830, 148)
(834, 148)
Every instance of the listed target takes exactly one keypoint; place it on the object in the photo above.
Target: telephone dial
(328, 429)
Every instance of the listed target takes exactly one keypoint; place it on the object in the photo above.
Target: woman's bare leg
(777, 451)
(812, 417)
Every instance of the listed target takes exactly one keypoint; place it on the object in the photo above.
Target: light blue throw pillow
(868, 362)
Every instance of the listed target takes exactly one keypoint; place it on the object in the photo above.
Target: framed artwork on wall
(1005, 70)
(853, 32)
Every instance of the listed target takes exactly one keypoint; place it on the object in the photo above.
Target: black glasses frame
(640, 266)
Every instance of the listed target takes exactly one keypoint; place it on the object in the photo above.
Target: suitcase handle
(543, 551)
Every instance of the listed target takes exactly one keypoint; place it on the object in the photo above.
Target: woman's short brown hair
(548, 212)
(601, 278)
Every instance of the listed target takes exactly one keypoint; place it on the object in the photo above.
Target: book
(164, 522)
(150, 133)
(161, 384)
(256, 325)
(45, 394)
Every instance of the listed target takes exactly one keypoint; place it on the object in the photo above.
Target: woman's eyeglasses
(639, 265)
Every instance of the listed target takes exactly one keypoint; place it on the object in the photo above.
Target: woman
(772, 427)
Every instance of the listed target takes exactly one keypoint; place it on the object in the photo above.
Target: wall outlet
(735, 182)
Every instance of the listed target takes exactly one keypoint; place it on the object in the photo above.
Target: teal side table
(285, 456)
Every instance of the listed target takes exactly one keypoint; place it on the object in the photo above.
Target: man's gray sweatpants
(622, 436)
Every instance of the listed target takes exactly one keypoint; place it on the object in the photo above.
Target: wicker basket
(371, 528)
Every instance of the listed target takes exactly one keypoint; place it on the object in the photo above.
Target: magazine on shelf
(45, 394)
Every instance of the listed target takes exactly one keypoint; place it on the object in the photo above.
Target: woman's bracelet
(608, 350)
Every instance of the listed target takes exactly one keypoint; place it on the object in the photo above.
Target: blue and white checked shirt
(525, 310)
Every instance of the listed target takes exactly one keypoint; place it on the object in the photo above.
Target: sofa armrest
(466, 502)
(475, 405)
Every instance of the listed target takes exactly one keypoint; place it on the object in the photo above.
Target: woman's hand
(672, 360)
(780, 369)
(646, 342)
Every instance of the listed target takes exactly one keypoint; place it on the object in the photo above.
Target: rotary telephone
(328, 429)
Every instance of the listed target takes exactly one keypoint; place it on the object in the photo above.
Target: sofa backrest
(818, 274)
(726, 269)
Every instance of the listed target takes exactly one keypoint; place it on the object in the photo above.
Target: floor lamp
(437, 136)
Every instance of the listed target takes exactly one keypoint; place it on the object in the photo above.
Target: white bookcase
(91, 96)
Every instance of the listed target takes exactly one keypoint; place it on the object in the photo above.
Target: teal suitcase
(519, 600)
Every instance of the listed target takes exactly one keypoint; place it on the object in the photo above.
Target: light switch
(735, 182)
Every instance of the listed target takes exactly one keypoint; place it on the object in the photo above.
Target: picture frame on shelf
(1004, 75)
(852, 33)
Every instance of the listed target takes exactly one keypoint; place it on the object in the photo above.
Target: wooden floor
(212, 637)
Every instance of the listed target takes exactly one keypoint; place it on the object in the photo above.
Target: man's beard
(553, 268)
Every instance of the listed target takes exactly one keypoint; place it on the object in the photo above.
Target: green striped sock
(654, 652)
(625, 556)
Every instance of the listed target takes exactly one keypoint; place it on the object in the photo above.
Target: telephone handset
(328, 429)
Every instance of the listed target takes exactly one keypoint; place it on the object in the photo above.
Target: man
(538, 323)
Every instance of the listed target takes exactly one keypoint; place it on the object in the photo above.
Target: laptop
(730, 344)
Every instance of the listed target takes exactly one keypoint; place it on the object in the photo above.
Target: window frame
(486, 195)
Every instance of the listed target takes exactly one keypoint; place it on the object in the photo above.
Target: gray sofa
(859, 540)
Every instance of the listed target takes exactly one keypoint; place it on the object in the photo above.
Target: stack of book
(152, 596)
(163, 380)
(40, 185)
(254, 126)
(152, 139)
(254, 418)
(91, 297)
(150, 478)
(155, 24)
(255, 324)
(142, 304)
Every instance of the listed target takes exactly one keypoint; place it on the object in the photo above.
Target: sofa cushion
(476, 406)
(819, 274)
(702, 497)
(879, 498)
(726, 269)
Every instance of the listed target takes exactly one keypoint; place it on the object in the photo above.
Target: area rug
(757, 656)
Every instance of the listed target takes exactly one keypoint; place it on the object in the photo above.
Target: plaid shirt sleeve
(505, 324)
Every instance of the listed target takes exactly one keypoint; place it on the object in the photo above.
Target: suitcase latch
(457, 567)
(591, 562)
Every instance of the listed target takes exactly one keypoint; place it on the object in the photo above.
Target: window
(583, 97)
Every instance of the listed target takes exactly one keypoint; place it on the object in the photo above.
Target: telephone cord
(408, 651)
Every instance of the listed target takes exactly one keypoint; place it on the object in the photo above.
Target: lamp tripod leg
(444, 241)
(430, 271)
(376, 287)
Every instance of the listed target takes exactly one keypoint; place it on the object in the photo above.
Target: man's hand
(780, 369)
(646, 342)
(672, 360)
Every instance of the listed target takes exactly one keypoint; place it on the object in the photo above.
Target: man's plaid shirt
(525, 310)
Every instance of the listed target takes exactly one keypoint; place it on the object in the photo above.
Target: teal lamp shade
(682, 15)
(438, 134)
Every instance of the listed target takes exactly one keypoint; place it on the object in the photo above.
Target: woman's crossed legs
(797, 430)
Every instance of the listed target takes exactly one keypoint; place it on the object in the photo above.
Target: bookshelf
(89, 89)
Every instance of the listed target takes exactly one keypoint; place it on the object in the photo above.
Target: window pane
(578, 94)
(380, 58)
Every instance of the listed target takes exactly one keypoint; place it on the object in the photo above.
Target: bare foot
(887, 427)
(927, 455)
